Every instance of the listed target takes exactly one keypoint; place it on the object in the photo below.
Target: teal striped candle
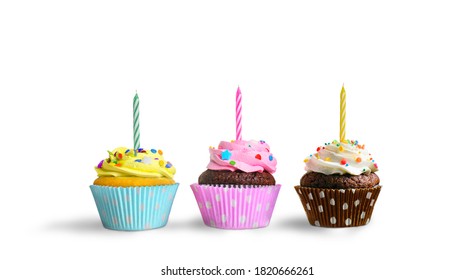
(136, 123)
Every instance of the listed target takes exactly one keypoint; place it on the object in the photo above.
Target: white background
(68, 73)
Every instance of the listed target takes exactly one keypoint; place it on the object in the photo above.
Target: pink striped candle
(238, 114)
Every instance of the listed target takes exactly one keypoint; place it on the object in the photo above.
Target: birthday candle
(136, 123)
(238, 114)
(342, 114)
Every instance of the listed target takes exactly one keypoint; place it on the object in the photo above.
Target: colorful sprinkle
(343, 162)
(341, 149)
(161, 163)
(226, 155)
(305, 160)
(160, 152)
(169, 164)
(258, 156)
(327, 159)
(232, 162)
(100, 164)
(119, 156)
(364, 169)
(262, 141)
(138, 160)
(375, 166)
(347, 164)
(318, 149)
(153, 151)
(119, 165)
(127, 151)
(271, 157)
(358, 159)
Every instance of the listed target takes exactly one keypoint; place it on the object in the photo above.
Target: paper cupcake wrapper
(338, 207)
(134, 208)
(236, 207)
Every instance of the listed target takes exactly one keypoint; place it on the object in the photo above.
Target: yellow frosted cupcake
(134, 189)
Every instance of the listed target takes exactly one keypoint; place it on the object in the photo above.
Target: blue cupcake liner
(134, 208)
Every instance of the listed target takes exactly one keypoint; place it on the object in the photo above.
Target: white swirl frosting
(346, 157)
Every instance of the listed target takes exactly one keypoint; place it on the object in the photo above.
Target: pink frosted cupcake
(238, 190)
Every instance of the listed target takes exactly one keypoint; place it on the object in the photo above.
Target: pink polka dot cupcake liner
(338, 207)
(134, 208)
(236, 207)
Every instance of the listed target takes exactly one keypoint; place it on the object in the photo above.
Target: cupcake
(340, 187)
(238, 190)
(134, 189)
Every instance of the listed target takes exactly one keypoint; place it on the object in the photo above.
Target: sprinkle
(232, 162)
(249, 146)
(100, 164)
(138, 160)
(317, 155)
(267, 150)
(169, 164)
(262, 141)
(156, 158)
(127, 151)
(232, 141)
(334, 142)
(338, 145)
(161, 163)
(375, 166)
(160, 152)
(346, 164)
(153, 151)
(147, 160)
(364, 169)
(120, 156)
(258, 156)
(226, 155)
(372, 160)
(305, 160)
(327, 159)
(343, 162)
(318, 149)
(358, 159)
(139, 150)
(119, 165)
(341, 149)
(271, 157)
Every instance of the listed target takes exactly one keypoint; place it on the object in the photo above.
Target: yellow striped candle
(342, 114)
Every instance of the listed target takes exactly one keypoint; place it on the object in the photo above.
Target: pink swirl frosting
(247, 156)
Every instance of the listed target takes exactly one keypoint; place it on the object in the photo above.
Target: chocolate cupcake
(238, 177)
(340, 187)
(238, 190)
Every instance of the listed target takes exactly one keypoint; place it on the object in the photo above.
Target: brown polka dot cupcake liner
(338, 207)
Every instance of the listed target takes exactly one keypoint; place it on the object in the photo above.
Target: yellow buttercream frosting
(124, 162)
